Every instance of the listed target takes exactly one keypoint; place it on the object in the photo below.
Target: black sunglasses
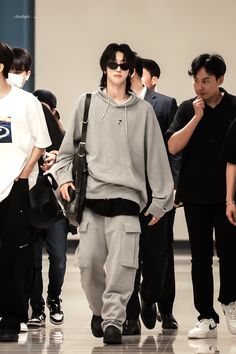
(113, 65)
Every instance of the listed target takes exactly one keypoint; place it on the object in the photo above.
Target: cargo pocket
(130, 245)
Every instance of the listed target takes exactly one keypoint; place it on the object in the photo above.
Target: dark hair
(214, 65)
(110, 54)
(47, 97)
(139, 66)
(22, 60)
(6, 58)
(152, 67)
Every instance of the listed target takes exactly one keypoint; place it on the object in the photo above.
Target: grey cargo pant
(108, 259)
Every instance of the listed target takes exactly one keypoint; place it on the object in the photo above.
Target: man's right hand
(198, 105)
(64, 190)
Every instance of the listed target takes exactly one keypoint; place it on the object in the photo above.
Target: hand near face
(199, 105)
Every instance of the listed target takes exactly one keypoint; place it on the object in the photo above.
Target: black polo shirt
(229, 150)
(202, 175)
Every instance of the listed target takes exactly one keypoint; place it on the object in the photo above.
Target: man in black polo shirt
(198, 130)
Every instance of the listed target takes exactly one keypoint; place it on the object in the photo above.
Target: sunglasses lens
(124, 66)
(113, 65)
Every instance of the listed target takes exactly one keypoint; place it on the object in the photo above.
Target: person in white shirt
(23, 138)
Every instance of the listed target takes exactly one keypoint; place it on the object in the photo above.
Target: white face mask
(17, 79)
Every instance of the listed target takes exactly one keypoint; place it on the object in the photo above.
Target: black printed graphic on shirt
(5, 130)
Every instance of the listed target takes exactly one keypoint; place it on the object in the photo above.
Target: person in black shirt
(54, 236)
(198, 130)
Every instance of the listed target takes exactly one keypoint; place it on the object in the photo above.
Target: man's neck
(117, 93)
(137, 86)
(215, 99)
(5, 88)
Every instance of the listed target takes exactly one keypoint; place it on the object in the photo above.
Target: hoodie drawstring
(126, 123)
(105, 110)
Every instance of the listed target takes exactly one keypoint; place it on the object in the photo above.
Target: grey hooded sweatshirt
(124, 143)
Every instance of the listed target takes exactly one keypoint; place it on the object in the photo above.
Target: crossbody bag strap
(82, 150)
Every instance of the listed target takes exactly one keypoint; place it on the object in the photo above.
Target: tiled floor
(74, 336)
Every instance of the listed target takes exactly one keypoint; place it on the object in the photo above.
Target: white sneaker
(230, 314)
(23, 327)
(37, 320)
(205, 328)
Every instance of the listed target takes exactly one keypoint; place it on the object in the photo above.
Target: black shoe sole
(34, 326)
(171, 326)
(58, 323)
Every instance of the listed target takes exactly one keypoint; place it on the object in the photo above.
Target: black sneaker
(56, 313)
(96, 326)
(148, 314)
(112, 335)
(37, 320)
(168, 321)
(131, 327)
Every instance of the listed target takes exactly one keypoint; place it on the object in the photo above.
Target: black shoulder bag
(44, 207)
(74, 208)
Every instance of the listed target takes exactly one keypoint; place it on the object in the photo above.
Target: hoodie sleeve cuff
(156, 210)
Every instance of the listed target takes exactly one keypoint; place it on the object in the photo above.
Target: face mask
(17, 80)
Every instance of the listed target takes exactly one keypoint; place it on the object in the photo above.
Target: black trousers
(167, 296)
(15, 256)
(202, 222)
(156, 266)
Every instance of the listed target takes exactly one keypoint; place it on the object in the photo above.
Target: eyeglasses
(113, 65)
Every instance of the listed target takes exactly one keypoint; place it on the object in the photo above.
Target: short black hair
(6, 57)
(152, 67)
(110, 54)
(22, 60)
(139, 66)
(214, 64)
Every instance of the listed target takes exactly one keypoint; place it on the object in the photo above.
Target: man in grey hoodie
(124, 148)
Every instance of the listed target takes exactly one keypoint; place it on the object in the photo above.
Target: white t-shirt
(22, 127)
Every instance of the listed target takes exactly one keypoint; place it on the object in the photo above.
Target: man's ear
(221, 80)
(28, 75)
(132, 73)
(154, 80)
(1, 67)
